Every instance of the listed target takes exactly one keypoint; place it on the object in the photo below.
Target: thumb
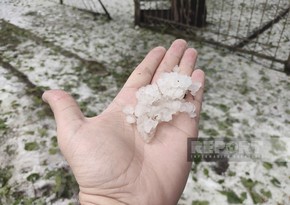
(66, 111)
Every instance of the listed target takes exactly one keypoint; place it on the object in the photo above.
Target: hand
(109, 159)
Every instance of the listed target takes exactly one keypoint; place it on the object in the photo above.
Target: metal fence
(260, 28)
(94, 6)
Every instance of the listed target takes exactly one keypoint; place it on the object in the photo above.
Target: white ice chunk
(148, 94)
(140, 110)
(130, 119)
(149, 124)
(194, 88)
(129, 110)
(173, 85)
(158, 102)
(176, 69)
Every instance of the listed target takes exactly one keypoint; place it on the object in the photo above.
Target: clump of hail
(158, 102)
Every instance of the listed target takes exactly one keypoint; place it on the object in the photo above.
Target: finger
(182, 121)
(144, 73)
(65, 109)
(171, 58)
(187, 62)
(197, 76)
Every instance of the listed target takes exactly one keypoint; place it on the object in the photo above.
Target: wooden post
(287, 66)
(137, 12)
(61, 1)
(174, 7)
(192, 12)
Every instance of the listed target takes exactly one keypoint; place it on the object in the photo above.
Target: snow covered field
(52, 46)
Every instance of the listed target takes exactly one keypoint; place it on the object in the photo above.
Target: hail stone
(158, 102)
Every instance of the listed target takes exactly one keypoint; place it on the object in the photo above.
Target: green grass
(198, 202)
(267, 165)
(3, 126)
(33, 177)
(233, 197)
(5, 176)
(31, 146)
(65, 185)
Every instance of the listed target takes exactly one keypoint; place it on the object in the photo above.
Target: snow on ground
(232, 21)
(240, 17)
(59, 48)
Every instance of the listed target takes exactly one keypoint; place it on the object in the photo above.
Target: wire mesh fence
(94, 6)
(260, 28)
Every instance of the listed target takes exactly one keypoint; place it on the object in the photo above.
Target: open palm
(109, 159)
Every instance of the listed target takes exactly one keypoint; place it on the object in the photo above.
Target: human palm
(111, 162)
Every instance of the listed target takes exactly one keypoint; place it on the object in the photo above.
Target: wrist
(87, 199)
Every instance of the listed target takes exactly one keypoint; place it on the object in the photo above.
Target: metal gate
(94, 6)
(260, 28)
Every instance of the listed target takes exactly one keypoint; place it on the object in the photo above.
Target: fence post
(192, 12)
(61, 1)
(137, 12)
(287, 66)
